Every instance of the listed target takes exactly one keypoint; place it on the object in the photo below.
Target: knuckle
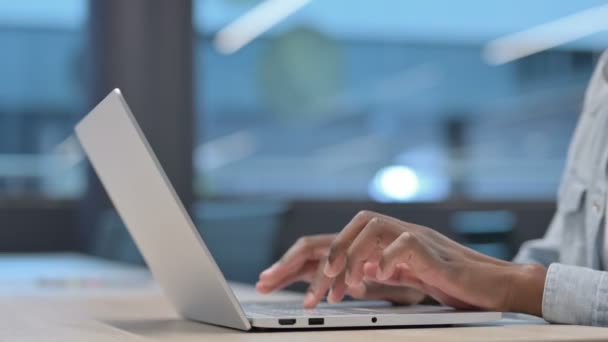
(376, 221)
(304, 241)
(407, 239)
(375, 224)
(365, 215)
(373, 230)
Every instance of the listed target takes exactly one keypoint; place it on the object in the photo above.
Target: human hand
(306, 260)
(405, 253)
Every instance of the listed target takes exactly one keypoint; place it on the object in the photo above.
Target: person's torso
(582, 194)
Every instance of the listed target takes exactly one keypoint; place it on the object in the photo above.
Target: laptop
(178, 258)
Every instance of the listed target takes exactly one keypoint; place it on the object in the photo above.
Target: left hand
(401, 252)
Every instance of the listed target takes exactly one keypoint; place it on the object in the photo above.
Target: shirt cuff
(575, 295)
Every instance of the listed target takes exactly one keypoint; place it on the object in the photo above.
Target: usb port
(316, 321)
(287, 321)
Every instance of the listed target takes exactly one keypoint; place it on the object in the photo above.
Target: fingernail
(327, 269)
(309, 299)
(259, 287)
(348, 279)
(268, 271)
(330, 297)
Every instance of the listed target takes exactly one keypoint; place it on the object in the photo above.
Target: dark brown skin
(380, 257)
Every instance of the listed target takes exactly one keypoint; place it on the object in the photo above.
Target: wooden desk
(130, 307)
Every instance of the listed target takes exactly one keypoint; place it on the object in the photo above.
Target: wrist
(527, 288)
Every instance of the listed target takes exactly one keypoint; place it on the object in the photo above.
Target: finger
(337, 251)
(338, 289)
(449, 283)
(338, 248)
(446, 299)
(305, 249)
(370, 269)
(318, 287)
(401, 277)
(306, 273)
(368, 246)
(409, 250)
(265, 288)
(404, 276)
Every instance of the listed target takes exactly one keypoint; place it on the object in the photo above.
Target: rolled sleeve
(575, 295)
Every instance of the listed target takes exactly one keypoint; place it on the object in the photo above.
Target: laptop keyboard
(291, 309)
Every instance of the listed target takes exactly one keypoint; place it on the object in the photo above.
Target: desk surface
(111, 302)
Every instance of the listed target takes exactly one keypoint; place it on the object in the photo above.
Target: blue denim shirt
(576, 288)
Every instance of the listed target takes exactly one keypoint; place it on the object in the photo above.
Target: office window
(388, 100)
(43, 89)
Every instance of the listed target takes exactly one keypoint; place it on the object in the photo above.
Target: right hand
(306, 260)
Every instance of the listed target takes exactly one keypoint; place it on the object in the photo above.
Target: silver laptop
(178, 257)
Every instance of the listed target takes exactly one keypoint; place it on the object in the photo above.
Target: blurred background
(280, 118)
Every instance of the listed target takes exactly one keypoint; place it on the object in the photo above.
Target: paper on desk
(24, 273)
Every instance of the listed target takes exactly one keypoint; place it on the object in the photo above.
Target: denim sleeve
(575, 295)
